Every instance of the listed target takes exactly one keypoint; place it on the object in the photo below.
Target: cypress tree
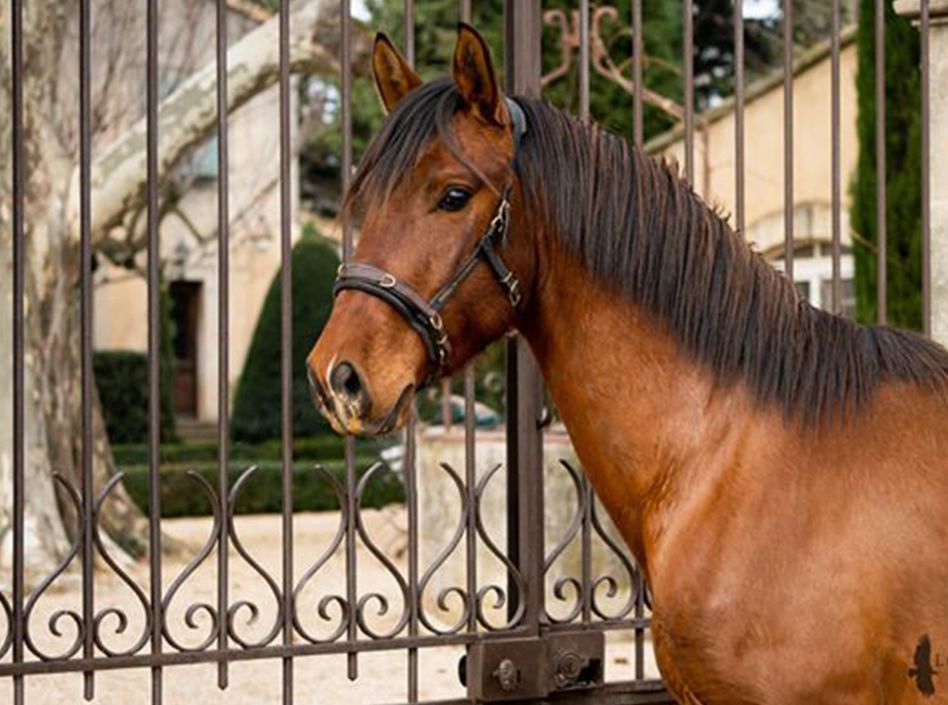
(903, 169)
(256, 415)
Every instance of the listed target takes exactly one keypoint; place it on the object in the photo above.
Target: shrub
(181, 497)
(121, 378)
(256, 414)
(310, 448)
(903, 171)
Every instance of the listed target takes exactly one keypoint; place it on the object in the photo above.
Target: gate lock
(532, 667)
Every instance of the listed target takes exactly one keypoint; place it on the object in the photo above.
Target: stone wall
(440, 511)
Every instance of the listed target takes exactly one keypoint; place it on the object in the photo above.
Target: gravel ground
(382, 676)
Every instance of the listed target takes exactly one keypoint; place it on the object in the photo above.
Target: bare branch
(188, 116)
(250, 10)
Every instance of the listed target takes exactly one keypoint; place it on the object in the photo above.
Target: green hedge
(313, 448)
(121, 378)
(181, 496)
(256, 414)
(903, 155)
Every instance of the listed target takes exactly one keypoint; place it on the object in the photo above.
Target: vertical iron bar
(470, 482)
(739, 114)
(586, 540)
(470, 469)
(85, 219)
(637, 81)
(409, 12)
(587, 500)
(584, 60)
(882, 266)
(411, 490)
(836, 161)
(788, 138)
(286, 345)
(352, 657)
(638, 138)
(154, 341)
(19, 410)
(522, 27)
(223, 323)
(411, 457)
(924, 27)
(688, 42)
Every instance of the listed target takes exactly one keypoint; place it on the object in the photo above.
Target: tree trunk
(53, 439)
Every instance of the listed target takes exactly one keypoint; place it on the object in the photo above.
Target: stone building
(188, 231)
(715, 172)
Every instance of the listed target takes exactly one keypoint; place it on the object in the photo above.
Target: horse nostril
(345, 382)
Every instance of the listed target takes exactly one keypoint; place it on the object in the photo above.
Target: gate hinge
(532, 667)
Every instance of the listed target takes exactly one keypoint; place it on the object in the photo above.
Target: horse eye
(455, 199)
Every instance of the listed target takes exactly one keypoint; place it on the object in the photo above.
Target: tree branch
(250, 10)
(188, 116)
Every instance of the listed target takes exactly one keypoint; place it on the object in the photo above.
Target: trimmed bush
(903, 171)
(181, 496)
(256, 414)
(313, 448)
(121, 378)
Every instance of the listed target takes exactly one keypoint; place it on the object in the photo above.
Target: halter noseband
(424, 316)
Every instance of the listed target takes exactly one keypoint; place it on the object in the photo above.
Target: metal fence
(527, 556)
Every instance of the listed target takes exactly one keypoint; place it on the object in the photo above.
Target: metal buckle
(436, 322)
(512, 284)
(387, 281)
(442, 345)
(500, 218)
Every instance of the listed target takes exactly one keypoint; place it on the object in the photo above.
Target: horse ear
(394, 78)
(474, 75)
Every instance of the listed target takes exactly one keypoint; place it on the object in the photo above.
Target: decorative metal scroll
(570, 42)
(587, 592)
(200, 626)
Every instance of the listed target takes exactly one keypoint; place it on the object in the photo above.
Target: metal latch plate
(533, 667)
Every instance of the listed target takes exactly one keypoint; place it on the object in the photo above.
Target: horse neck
(642, 415)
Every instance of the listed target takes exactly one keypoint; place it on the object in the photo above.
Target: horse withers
(778, 472)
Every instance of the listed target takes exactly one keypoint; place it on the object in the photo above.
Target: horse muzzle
(346, 403)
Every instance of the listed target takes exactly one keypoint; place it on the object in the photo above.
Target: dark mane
(640, 229)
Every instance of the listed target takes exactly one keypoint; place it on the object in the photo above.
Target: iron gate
(530, 657)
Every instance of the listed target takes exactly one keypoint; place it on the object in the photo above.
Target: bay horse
(780, 473)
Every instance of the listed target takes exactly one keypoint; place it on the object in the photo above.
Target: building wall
(764, 144)
(121, 297)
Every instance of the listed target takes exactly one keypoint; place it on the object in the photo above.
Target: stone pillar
(938, 148)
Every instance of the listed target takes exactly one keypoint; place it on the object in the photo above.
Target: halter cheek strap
(424, 315)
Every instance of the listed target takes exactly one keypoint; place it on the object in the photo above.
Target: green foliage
(256, 413)
(121, 378)
(181, 496)
(610, 105)
(903, 171)
(435, 24)
(308, 448)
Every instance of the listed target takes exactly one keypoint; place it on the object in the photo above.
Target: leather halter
(424, 315)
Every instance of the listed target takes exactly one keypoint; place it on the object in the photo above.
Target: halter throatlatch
(424, 315)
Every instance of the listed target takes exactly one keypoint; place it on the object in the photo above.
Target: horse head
(438, 272)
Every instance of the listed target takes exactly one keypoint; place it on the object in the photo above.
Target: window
(813, 275)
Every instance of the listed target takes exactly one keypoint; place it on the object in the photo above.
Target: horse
(777, 471)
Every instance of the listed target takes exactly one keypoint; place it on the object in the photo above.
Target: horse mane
(640, 229)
